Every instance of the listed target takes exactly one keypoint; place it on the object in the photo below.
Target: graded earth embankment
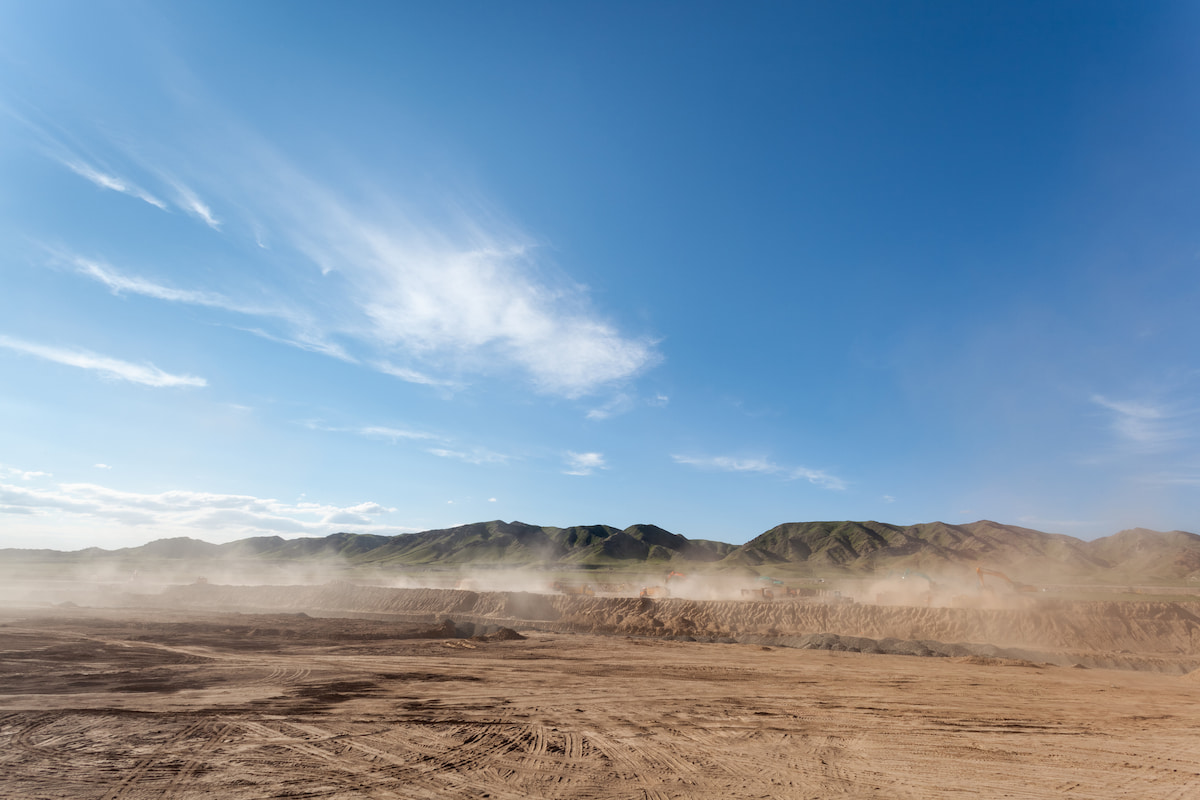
(1147, 635)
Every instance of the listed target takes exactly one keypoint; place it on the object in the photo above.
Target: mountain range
(797, 548)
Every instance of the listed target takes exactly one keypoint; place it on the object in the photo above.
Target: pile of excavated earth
(1155, 636)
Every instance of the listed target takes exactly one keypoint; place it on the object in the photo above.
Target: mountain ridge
(850, 547)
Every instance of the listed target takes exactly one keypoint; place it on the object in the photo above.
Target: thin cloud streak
(472, 457)
(1146, 427)
(618, 405)
(411, 375)
(192, 204)
(762, 466)
(385, 432)
(118, 283)
(312, 345)
(303, 336)
(107, 181)
(144, 374)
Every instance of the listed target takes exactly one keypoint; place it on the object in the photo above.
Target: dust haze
(195, 678)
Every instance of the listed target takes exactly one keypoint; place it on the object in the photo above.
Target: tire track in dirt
(218, 733)
(145, 769)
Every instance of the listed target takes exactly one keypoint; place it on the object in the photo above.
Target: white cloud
(180, 512)
(25, 475)
(102, 466)
(618, 405)
(764, 466)
(491, 499)
(453, 289)
(728, 463)
(473, 299)
(108, 181)
(659, 401)
(411, 375)
(313, 343)
(355, 515)
(305, 334)
(192, 204)
(583, 463)
(887, 498)
(464, 292)
(393, 434)
(145, 374)
(118, 283)
(477, 456)
(1145, 427)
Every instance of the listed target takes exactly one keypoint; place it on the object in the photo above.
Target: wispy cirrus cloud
(144, 374)
(763, 466)
(1145, 426)
(394, 435)
(106, 180)
(456, 293)
(451, 290)
(475, 456)
(191, 203)
(383, 432)
(120, 282)
(304, 334)
(412, 375)
(583, 463)
(303, 340)
(617, 405)
(1182, 477)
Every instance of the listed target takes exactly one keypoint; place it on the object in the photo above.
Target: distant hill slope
(849, 547)
(874, 545)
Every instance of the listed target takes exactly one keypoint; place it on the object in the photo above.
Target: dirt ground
(143, 703)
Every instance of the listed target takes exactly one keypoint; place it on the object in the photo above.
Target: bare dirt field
(162, 702)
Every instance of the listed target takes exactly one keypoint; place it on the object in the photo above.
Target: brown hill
(870, 546)
(797, 547)
(1141, 552)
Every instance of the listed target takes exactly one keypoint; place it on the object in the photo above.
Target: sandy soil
(154, 703)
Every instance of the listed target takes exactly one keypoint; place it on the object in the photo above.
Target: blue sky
(297, 268)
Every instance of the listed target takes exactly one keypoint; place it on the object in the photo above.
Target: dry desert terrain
(432, 694)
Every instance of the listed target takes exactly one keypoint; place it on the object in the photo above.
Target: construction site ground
(178, 697)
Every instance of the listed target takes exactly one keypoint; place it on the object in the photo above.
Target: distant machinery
(1016, 586)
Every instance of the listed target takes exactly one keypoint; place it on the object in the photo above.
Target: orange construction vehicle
(654, 591)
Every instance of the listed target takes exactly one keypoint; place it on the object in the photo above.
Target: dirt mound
(502, 635)
(1166, 634)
